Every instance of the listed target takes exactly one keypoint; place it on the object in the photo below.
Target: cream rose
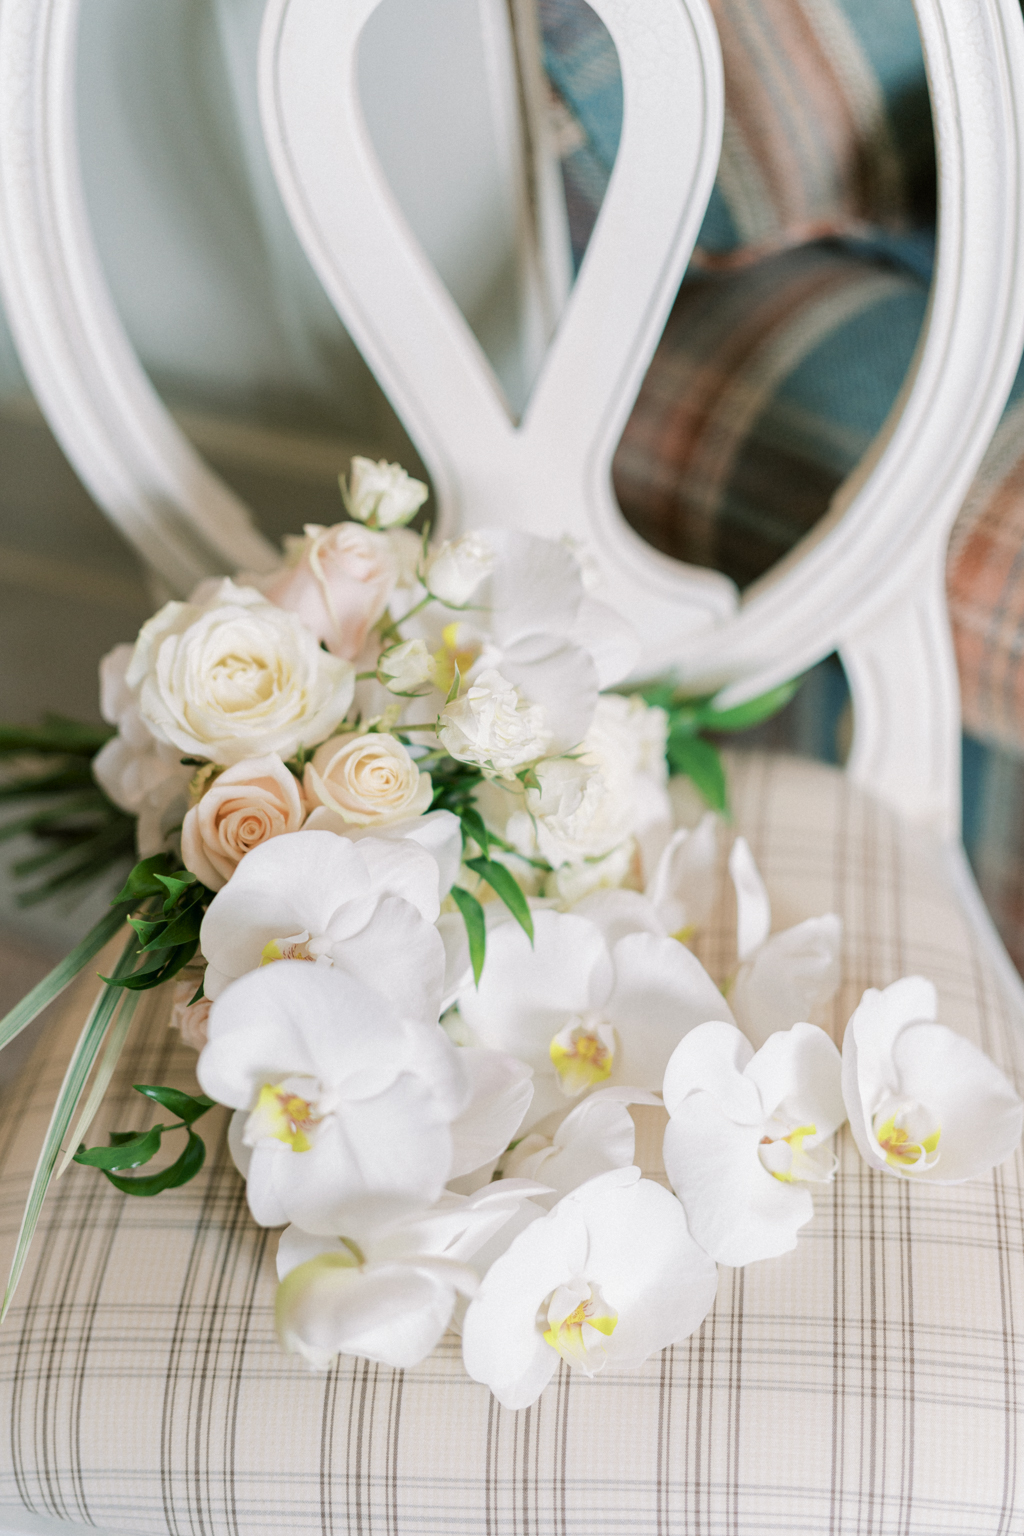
(338, 581)
(249, 803)
(233, 676)
(367, 779)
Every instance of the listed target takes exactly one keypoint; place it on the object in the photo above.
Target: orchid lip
(583, 1053)
(299, 946)
(289, 1112)
(579, 1325)
(908, 1135)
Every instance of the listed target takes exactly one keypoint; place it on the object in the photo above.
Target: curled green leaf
(128, 1150)
(180, 1172)
(186, 1106)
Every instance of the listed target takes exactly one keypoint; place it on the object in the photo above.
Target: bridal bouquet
(419, 879)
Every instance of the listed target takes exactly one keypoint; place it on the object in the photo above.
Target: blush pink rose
(339, 584)
(255, 800)
(191, 1018)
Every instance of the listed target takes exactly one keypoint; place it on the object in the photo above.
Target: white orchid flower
(365, 907)
(745, 1131)
(439, 833)
(788, 976)
(386, 1293)
(600, 999)
(679, 874)
(500, 1089)
(924, 1103)
(594, 1138)
(345, 1100)
(607, 1278)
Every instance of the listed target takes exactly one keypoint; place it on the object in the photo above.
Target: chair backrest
(867, 581)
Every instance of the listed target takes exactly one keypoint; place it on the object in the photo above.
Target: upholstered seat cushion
(869, 1381)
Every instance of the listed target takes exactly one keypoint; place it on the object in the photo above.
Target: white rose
(579, 812)
(455, 570)
(367, 779)
(382, 494)
(492, 727)
(406, 667)
(235, 677)
(140, 774)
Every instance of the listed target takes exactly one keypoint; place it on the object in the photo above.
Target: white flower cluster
(373, 759)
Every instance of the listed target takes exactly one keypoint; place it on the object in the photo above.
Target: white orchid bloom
(500, 1089)
(788, 976)
(679, 874)
(746, 1130)
(924, 1103)
(365, 907)
(607, 1278)
(345, 1100)
(599, 999)
(594, 1138)
(439, 833)
(388, 1292)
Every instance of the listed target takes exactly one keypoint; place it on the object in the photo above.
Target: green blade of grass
(111, 1055)
(71, 1089)
(61, 976)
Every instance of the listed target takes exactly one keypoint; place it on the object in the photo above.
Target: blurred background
(785, 351)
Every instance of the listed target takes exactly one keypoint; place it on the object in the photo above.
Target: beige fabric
(871, 1382)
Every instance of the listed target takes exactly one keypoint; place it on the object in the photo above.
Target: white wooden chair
(870, 1380)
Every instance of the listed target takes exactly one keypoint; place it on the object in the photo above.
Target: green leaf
(158, 966)
(61, 976)
(128, 1150)
(504, 884)
(476, 927)
(184, 1105)
(745, 715)
(181, 930)
(453, 691)
(38, 821)
(175, 885)
(473, 826)
(142, 881)
(700, 761)
(71, 1089)
(186, 1167)
(55, 734)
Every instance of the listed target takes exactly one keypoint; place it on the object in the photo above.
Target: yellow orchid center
(295, 948)
(684, 935)
(781, 1164)
(583, 1054)
(457, 650)
(282, 1112)
(579, 1322)
(909, 1137)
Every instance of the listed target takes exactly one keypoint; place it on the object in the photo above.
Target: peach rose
(245, 805)
(338, 582)
(191, 1018)
(367, 779)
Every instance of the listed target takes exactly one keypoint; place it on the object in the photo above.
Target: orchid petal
(399, 866)
(610, 639)
(799, 1072)
(713, 1058)
(594, 1138)
(753, 909)
(549, 670)
(619, 912)
(736, 1210)
(790, 978)
(682, 886)
(500, 1089)
(416, 986)
(661, 991)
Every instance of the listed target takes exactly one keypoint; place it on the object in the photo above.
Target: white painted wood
(862, 582)
(552, 472)
(183, 520)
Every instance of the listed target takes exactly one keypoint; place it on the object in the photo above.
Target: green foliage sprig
(133, 1149)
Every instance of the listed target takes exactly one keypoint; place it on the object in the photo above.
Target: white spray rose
(381, 494)
(233, 676)
(456, 569)
(407, 667)
(142, 775)
(492, 727)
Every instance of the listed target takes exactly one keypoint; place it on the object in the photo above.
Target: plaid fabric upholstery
(827, 124)
(868, 1382)
(769, 383)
